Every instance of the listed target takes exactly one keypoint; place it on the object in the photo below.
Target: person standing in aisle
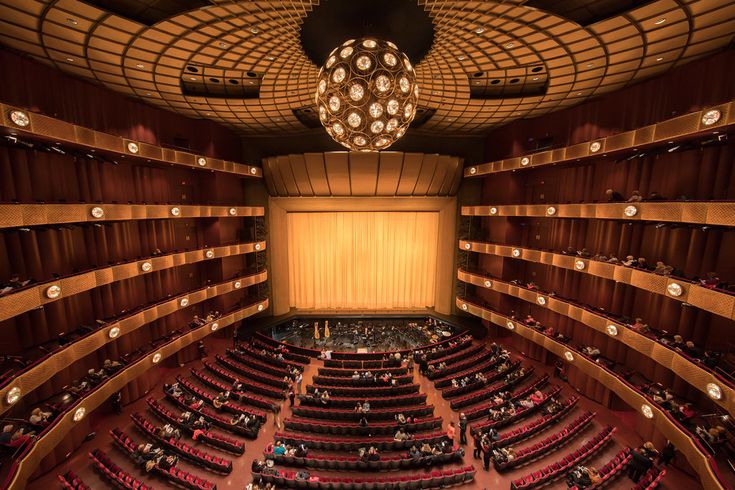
(462, 429)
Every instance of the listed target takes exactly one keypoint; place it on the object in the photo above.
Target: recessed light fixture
(257, 246)
(214, 326)
(510, 325)
(473, 170)
(254, 30)
(493, 210)
(140, 65)
(72, 21)
(70, 60)
(175, 211)
(237, 284)
(660, 21)
(461, 57)
(509, 45)
(516, 252)
(579, 265)
(232, 211)
(479, 30)
(253, 170)
(711, 117)
(550, 211)
(157, 358)
(209, 254)
(525, 161)
(541, 300)
(660, 58)
(464, 306)
(202, 162)
(595, 146)
(467, 246)
(133, 147)
(630, 211)
(488, 283)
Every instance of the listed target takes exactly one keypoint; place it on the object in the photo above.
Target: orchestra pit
(367, 244)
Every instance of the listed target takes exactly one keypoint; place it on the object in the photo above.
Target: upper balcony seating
(207, 437)
(253, 386)
(376, 428)
(460, 364)
(520, 413)
(234, 395)
(251, 374)
(361, 392)
(532, 428)
(559, 469)
(482, 367)
(70, 481)
(372, 415)
(347, 373)
(196, 456)
(354, 463)
(516, 377)
(483, 410)
(528, 454)
(374, 381)
(208, 397)
(110, 471)
(435, 479)
(376, 402)
(176, 476)
(223, 422)
(612, 469)
(353, 443)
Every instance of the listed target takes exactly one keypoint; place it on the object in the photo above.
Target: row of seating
(435, 479)
(208, 397)
(482, 367)
(365, 391)
(353, 463)
(376, 364)
(260, 341)
(255, 387)
(242, 396)
(559, 469)
(207, 436)
(491, 391)
(610, 470)
(520, 414)
(378, 402)
(482, 410)
(70, 481)
(353, 444)
(113, 473)
(347, 373)
(214, 418)
(532, 428)
(455, 357)
(380, 428)
(650, 480)
(461, 364)
(174, 475)
(253, 375)
(567, 434)
(283, 365)
(196, 456)
(490, 375)
(373, 381)
(350, 414)
(462, 344)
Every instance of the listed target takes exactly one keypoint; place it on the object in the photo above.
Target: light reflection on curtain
(363, 260)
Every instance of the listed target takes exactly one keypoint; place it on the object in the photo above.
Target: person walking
(668, 453)
(486, 452)
(462, 428)
(451, 431)
(291, 397)
(478, 446)
(277, 417)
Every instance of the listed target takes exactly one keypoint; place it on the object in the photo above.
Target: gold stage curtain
(362, 260)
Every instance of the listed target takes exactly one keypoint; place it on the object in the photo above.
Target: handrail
(17, 215)
(718, 213)
(24, 466)
(38, 373)
(47, 128)
(688, 370)
(31, 297)
(717, 302)
(667, 131)
(703, 463)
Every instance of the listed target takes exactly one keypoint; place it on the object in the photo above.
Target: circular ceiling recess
(403, 22)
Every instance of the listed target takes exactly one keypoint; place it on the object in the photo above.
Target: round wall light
(13, 395)
(595, 146)
(493, 210)
(261, 307)
(488, 283)
(232, 211)
(464, 306)
(714, 391)
(630, 211)
(525, 161)
(711, 117)
(253, 170)
(53, 292)
(79, 414)
(214, 326)
(133, 147)
(510, 325)
(20, 118)
(184, 302)
(237, 284)
(550, 211)
(209, 254)
(146, 267)
(157, 358)
(114, 332)
(579, 265)
(568, 356)
(257, 246)
(467, 246)
(473, 170)
(675, 289)
(202, 162)
(612, 330)
(516, 252)
(175, 211)
(97, 212)
(541, 300)
(647, 411)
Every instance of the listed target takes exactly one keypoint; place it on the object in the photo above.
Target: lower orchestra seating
(518, 414)
(112, 472)
(376, 428)
(650, 479)
(611, 470)
(70, 481)
(354, 444)
(374, 414)
(354, 463)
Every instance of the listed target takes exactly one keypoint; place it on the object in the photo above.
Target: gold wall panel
(38, 374)
(14, 304)
(689, 371)
(701, 462)
(53, 435)
(51, 129)
(682, 127)
(362, 174)
(16, 215)
(719, 303)
(695, 212)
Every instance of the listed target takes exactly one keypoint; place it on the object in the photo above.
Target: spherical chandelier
(366, 94)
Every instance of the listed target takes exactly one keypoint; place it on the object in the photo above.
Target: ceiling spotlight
(535, 78)
(72, 21)
(660, 58)
(479, 30)
(509, 45)
(660, 21)
(366, 94)
(140, 65)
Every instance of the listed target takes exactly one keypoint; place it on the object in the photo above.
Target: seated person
(257, 466)
(111, 366)
(169, 431)
(221, 399)
(279, 449)
(39, 417)
(537, 397)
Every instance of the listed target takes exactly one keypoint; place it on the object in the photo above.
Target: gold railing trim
(28, 464)
(659, 133)
(683, 442)
(56, 130)
(719, 303)
(14, 304)
(17, 215)
(687, 370)
(61, 359)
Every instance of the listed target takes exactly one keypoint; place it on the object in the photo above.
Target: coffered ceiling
(241, 63)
